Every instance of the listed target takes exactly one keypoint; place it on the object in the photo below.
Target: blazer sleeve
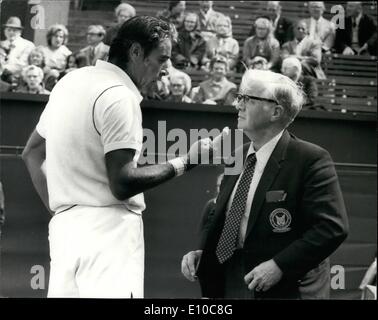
(372, 28)
(206, 221)
(325, 220)
(341, 39)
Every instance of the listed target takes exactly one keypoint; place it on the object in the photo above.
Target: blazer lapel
(270, 172)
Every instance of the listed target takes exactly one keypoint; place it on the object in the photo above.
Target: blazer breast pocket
(275, 196)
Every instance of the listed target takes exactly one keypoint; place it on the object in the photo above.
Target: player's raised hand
(217, 141)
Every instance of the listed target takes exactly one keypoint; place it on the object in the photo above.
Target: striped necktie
(227, 241)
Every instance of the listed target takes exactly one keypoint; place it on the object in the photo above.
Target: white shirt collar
(264, 153)
(122, 75)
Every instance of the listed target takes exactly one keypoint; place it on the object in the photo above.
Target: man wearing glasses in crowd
(274, 225)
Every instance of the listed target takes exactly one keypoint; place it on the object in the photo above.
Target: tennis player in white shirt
(90, 135)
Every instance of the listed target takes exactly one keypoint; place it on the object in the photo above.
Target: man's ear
(278, 112)
(136, 52)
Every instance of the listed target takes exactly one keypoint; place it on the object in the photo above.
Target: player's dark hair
(146, 30)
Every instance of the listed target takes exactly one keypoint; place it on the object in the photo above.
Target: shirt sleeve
(118, 120)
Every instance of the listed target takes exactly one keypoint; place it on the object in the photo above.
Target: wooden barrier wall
(174, 209)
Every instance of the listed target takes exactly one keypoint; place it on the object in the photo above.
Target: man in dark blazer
(275, 224)
(96, 49)
(283, 27)
(359, 34)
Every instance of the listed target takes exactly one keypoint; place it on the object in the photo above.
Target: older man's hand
(264, 276)
(189, 264)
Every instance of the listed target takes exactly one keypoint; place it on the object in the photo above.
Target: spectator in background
(123, 12)
(282, 27)
(4, 86)
(259, 63)
(160, 89)
(33, 78)
(360, 33)
(3, 59)
(223, 43)
(292, 68)
(10, 81)
(320, 28)
(37, 58)
(190, 48)
(96, 49)
(306, 49)
(175, 13)
(263, 44)
(178, 89)
(217, 89)
(16, 48)
(75, 61)
(56, 53)
(208, 17)
(71, 63)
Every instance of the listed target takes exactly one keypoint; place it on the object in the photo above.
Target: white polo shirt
(91, 111)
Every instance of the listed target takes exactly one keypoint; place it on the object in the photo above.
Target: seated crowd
(22, 63)
(205, 45)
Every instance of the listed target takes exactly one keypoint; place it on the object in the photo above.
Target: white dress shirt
(262, 158)
(18, 55)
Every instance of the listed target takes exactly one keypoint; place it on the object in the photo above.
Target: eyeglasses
(245, 98)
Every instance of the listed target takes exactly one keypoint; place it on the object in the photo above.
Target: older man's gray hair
(125, 7)
(277, 87)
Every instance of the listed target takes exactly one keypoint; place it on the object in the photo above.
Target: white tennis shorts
(96, 252)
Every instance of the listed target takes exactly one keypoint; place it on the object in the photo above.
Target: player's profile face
(156, 61)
